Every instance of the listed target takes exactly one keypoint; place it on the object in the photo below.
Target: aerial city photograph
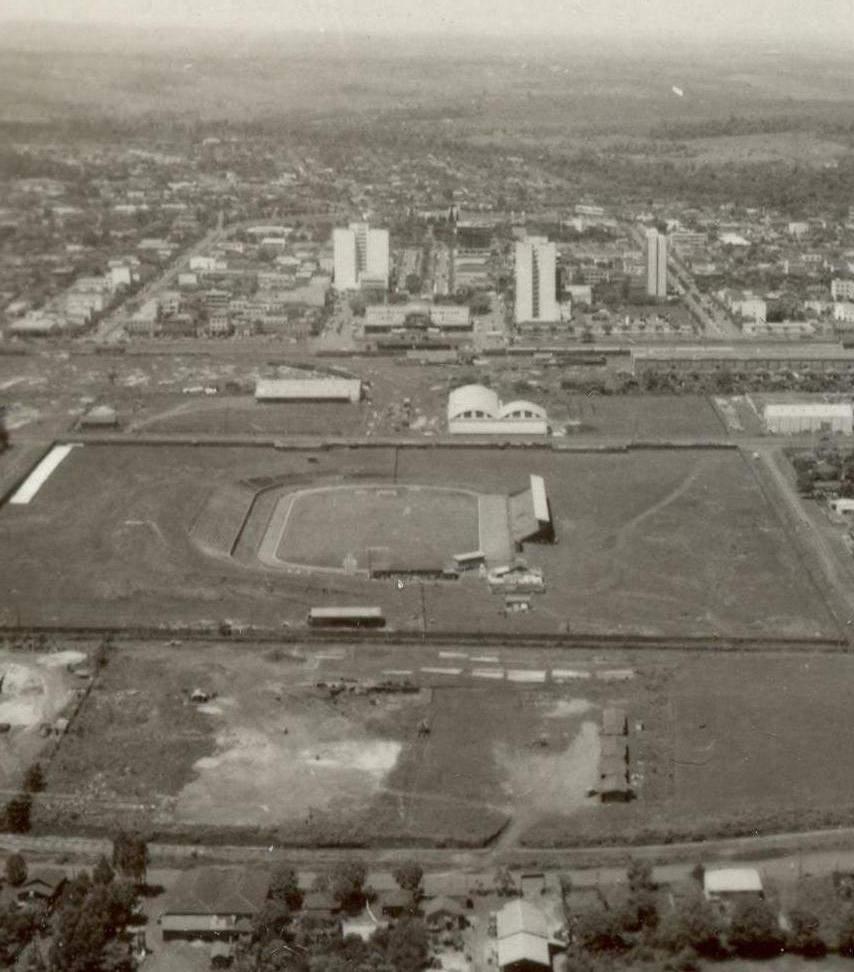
(427, 486)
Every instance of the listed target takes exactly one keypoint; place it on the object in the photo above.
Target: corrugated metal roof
(308, 389)
(732, 880)
(520, 916)
(523, 947)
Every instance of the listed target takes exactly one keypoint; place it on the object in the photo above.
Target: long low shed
(346, 617)
(308, 390)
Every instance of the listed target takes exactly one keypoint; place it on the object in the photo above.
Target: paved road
(781, 856)
(680, 274)
(110, 330)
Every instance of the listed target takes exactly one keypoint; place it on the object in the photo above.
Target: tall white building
(536, 285)
(360, 255)
(656, 263)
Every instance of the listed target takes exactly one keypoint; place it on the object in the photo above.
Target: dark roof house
(214, 902)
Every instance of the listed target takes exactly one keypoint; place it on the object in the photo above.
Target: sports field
(672, 542)
(342, 525)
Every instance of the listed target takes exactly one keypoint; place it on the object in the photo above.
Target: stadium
(374, 529)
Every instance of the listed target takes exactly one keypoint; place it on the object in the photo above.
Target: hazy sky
(754, 20)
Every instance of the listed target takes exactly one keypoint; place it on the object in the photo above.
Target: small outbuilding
(100, 417)
(732, 884)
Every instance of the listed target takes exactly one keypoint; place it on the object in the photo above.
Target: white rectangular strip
(453, 654)
(488, 673)
(442, 671)
(485, 658)
(40, 475)
(525, 675)
(562, 674)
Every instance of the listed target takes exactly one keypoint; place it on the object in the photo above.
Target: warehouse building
(809, 417)
(308, 390)
(384, 318)
(477, 410)
(795, 357)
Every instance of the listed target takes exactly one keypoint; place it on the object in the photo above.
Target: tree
(284, 886)
(845, 939)
(18, 811)
(130, 855)
(504, 883)
(409, 876)
(4, 431)
(639, 876)
(754, 931)
(103, 652)
(693, 924)
(34, 779)
(407, 946)
(347, 885)
(273, 922)
(805, 935)
(600, 930)
(16, 870)
(102, 873)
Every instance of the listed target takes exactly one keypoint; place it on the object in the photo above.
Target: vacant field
(240, 414)
(37, 688)
(731, 745)
(272, 751)
(719, 744)
(648, 417)
(325, 527)
(652, 541)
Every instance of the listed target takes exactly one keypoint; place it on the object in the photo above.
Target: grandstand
(530, 516)
(219, 524)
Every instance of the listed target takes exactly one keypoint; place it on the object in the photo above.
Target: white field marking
(526, 675)
(484, 658)
(397, 671)
(442, 671)
(332, 655)
(488, 673)
(40, 475)
(616, 674)
(563, 674)
(453, 654)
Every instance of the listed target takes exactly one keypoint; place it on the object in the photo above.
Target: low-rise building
(308, 390)
(809, 417)
(729, 884)
(477, 410)
(209, 903)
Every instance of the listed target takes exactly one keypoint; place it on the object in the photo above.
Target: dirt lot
(719, 744)
(731, 744)
(659, 542)
(37, 688)
(46, 394)
(272, 751)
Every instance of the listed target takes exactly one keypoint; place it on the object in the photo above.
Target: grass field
(325, 527)
(732, 744)
(651, 541)
(271, 751)
(719, 744)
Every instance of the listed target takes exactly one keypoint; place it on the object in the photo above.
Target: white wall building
(810, 417)
(842, 289)
(656, 263)
(843, 311)
(360, 255)
(476, 410)
(750, 309)
(536, 283)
